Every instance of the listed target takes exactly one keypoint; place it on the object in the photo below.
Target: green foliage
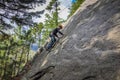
(15, 50)
(54, 5)
(75, 6)
(49, 25)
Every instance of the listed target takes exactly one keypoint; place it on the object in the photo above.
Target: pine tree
(17, 11)
(54, 6)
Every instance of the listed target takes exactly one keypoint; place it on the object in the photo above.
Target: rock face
(91, 48)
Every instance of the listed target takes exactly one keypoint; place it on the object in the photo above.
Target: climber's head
(60, 26)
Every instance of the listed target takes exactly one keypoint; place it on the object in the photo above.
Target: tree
(76, 4)
(53, 5)
(16, 11)
(15, 48)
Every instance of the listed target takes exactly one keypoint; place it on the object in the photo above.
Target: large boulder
(91, 48)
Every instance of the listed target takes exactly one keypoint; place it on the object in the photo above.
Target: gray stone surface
(91, 49)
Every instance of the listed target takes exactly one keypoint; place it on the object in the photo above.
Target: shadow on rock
(42, 72)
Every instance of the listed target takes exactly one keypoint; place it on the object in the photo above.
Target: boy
(53, 35)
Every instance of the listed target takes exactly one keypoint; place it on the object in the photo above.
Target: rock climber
(54, 36)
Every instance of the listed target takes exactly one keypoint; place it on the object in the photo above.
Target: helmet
(60, 26)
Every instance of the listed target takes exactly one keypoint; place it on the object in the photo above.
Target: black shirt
(55, 31)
